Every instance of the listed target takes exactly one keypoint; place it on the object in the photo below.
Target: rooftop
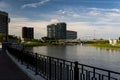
(3, 13)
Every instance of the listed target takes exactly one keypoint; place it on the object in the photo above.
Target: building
(4, 20)
(71, 34)
(112, 41)
(27, 33)
(56, 31)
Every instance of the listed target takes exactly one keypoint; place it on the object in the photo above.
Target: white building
(112, 42)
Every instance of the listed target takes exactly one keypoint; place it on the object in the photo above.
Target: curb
(28, 72)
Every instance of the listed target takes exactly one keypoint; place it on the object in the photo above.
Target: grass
(106, 46)
(30, 44)
(100, 44)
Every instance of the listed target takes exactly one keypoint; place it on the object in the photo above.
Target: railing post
(76, 71)
(27, 61)
(21, 57)
(49, 68)
(36, 63)
(61, 71)
(108, 75)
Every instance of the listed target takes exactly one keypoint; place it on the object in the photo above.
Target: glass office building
(4, 20)
(56, 31)
(27, 33)
(71, 34)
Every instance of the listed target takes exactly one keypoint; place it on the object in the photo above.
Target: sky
(90, 18)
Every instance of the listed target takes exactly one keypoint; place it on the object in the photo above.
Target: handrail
(53, 68)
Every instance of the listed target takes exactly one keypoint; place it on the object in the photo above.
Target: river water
(102, 58)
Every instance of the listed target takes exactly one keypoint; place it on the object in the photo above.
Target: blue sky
(90, 18)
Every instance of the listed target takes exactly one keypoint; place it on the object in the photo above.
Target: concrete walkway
(9, 70)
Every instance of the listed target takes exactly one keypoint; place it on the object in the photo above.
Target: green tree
(45, 39)
(119, 38)
(19, 40)
(2, 38)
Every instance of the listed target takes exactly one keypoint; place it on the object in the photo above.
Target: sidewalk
(9, 70)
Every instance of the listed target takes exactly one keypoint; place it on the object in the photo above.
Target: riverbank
(96, 43)
(106, 46)
(32, 44)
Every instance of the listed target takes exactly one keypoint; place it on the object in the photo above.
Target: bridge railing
(52, 68)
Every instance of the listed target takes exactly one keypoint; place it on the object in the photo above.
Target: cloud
(114, 14)
(34, 5)
(88, 13)
(94, 11)
(83, 20)
(84, 29)
(16, 24)
(66, 12)
(54, 20)
(86, 20)
(4, 6)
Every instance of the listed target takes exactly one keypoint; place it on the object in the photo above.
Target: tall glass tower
(56, 31)
(4, 20)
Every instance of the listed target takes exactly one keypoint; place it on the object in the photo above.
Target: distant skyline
(90, 18)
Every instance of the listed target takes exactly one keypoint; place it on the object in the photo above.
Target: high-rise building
(71, 34)
(56, 31)
(27, 33)
(4, 20)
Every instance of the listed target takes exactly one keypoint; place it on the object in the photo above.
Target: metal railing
(52, 68)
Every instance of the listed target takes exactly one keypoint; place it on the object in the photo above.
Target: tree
(19, 40)
(119, 38)
(2, 37)
(45, 39)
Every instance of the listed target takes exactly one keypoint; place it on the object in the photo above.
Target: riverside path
(9, 70)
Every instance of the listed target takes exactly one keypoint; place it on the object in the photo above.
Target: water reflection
(99, 57)
(57, 51)
(30, 49)
(108, 50)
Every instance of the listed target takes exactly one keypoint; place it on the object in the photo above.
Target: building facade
(4, 20)
(28, 33)
(71, 34)
(56, 31)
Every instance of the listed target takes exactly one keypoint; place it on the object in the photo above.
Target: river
(102, 58)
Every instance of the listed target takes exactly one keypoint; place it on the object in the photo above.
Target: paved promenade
(9, 70)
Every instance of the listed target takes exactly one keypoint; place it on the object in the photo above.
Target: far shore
(33, 44)
(106, 46)
(98, 43)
